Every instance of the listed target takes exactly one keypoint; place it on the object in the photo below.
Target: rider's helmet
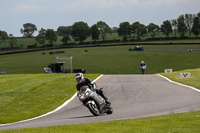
(79, 77)
(142, 62)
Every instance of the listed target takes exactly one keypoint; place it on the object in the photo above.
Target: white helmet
(79, 77)
(142, 62)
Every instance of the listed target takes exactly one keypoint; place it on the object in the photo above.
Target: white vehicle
(94, 102)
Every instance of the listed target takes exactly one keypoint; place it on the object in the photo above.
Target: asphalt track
(132, 96)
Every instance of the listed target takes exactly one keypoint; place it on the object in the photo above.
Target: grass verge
(182, 122)
(25, 96)
(194, 80)
(106, 60)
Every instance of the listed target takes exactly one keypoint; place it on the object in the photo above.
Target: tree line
(80, 31)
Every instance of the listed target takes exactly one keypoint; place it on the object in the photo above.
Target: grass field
(194, 80)
(182, 122)
(106, 60)
(24, 42)
(176, 123)
(24, 95)
(31, 41)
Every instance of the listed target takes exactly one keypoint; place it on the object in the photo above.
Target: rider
(142, 65)
(86, 81)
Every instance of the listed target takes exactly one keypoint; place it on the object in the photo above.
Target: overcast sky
(50, 14)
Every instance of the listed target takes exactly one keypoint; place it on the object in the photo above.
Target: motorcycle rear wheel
(93, 109)
(110, 110)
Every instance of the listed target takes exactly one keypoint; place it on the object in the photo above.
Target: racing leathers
(88, 82)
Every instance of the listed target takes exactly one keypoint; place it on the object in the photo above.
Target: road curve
(132, 96)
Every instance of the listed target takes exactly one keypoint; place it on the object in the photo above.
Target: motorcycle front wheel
(142, 71)
(92, 106)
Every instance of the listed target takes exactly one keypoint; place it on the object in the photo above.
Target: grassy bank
(107, 60)
(194, 80)
(182, 122)
(114, 37)
(28, 95)
(25, 96)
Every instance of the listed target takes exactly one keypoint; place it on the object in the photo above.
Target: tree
(124, 30)
(41, 37)
(174, 24)
(198, 15)
(153, 28)
(94, 32)
(12, 41)
(189, 22)
(28, 30)
(3, 35)
(104, 29)
(80, 31)
(138, 29)
(114, 29)
(196, 26)
(181, 25)
(65, 39)
(51, 36)
(166, 28)
(64, 30)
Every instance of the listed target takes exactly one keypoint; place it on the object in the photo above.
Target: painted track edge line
(193, 88)
(57, 109)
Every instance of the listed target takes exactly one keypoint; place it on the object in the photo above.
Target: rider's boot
(107, 102)
(106, 99)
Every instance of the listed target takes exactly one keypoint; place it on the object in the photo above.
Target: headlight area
(87, 93)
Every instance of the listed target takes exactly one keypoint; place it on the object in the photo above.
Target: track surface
(132, 96)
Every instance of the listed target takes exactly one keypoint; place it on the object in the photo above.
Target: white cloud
(154, 2)
(93, 4)
(27, 7)
(66, 12)
(163, 2)
(102, 4)
(99, 3)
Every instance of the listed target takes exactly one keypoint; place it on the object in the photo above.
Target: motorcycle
(142, 68)
(94, 102)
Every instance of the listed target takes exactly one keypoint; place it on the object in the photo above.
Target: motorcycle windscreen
(83, 89)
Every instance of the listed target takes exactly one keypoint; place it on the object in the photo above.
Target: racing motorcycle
(142, 68)
(94, 102)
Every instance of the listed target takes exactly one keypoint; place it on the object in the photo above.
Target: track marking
(97, 78)
(193, 88)
(57, 109)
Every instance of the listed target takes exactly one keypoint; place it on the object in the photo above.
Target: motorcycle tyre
(142, 71)
(92, 110)
(110, 111)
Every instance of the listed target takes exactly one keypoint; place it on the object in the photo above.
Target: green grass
(171, 47)
(24, 42)
(30, 95)
(107, 60)
(25, 96)
(174, 41)
(194, 80)
(31, 41)
(182, 122)
(20, 42)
